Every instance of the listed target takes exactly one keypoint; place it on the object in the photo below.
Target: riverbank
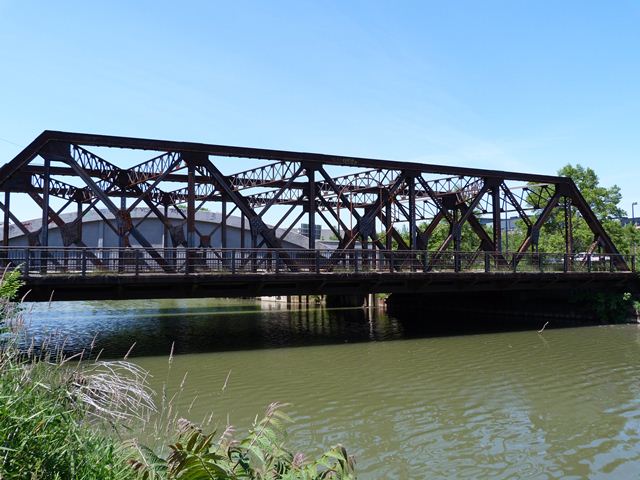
(66, 417)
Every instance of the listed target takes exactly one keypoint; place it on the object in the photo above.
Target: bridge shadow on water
(198, 326)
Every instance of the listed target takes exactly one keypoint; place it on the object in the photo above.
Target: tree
(605, 203)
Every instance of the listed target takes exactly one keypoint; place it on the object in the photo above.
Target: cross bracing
(367, 204)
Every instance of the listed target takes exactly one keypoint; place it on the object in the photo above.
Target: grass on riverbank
(61, 418)
(45, 429)
(54, 412)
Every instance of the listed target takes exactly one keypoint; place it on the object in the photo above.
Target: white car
(595, 257)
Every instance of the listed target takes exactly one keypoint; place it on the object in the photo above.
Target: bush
(262, 454)
(10, 283)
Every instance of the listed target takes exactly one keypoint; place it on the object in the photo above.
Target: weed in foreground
(65, 418)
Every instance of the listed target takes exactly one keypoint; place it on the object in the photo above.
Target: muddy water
(408, 404)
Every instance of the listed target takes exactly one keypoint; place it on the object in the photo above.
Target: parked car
(595, 257)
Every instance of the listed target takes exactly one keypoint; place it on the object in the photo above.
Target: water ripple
(564, 404)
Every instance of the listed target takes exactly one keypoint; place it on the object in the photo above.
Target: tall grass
(45, 430)
(64, 418)
(59, 418)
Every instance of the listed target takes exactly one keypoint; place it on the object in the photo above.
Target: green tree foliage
(10, 283)
(469, 240)
(605, 203)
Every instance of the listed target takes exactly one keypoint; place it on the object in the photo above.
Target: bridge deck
(83, 274)
(103, 287)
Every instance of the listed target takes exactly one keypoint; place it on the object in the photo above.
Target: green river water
(406, 402)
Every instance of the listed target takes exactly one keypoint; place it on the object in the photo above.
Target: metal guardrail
(36, 261)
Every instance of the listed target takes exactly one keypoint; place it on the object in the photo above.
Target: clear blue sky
(515, 85)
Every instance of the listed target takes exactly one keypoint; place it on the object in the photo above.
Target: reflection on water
(202, 325)
(565, 404)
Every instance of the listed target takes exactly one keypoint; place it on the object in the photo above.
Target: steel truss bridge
(367, 204)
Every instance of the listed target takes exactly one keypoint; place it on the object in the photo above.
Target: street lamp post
(506, 228)
(633, 221)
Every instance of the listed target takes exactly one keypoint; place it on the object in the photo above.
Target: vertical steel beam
(388, 222)
(254, 237)
(44, 232)
(242, 230)
(5, 225)
(191, 205)
(79, 215)
(223, 225)
(568, 232)
(497, 220)
(311, 206)
(121, 225)
(364, 243)
(412, 212)
(122, 231)
(456, 231)
(165, 230)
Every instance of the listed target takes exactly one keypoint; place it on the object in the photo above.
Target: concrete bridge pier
(344, 301)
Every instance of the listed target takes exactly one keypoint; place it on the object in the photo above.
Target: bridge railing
(35, 261)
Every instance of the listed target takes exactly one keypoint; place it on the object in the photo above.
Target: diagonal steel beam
(535, 228)
(104, 218)
(144, 192)
(257, 224)
(402, 245)
(228, 191)
(456, 225)
(61, 224)
(435, 199)
(104, 198)
(423, 237)
(365, 224)
(596, 227)
(284, 188)
(280, 222)
(223, 219)
(512, 199)
(15, 219)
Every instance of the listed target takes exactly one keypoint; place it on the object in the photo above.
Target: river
(407, 402)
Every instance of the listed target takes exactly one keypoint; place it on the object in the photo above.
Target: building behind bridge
(96, 232)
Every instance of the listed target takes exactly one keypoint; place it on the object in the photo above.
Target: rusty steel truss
(368, 204)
